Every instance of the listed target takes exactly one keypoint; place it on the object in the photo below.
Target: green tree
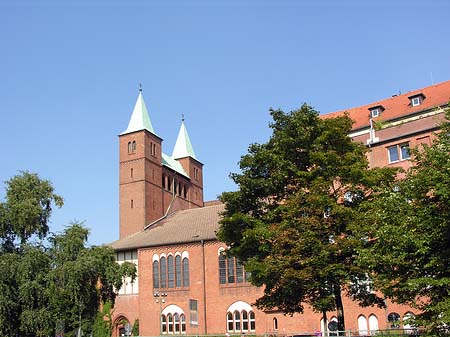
(9, 288)
(82, 278)
(409, 224)
(27, 209)
(50, 283)
(24, 215)
(291, 221)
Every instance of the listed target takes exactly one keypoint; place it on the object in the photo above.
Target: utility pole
(160, 298)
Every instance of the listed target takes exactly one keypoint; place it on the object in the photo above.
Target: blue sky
(69, 75)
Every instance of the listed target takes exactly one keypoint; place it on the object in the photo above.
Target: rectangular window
(128, 287)
(231, 271)
(170, 273)
(404, 150)
(398, 152)
(222, 269)
(393, 154)
(375, 112)
(239, 272)
(193, 312)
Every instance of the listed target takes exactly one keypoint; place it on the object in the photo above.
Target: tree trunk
(325, 323)
(339, 309)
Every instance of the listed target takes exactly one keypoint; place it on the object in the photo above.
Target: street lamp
(160, 298)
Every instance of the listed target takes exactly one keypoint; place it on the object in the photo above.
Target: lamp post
(160, 297)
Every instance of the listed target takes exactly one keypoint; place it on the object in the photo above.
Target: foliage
(82, 277)
(135, 330)
(410, 230)
(291, 221)
(55, 285)
(27, 209)
(103, 324)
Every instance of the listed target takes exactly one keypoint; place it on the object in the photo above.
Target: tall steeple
(183, 146)
(140, 166)
(140, 119)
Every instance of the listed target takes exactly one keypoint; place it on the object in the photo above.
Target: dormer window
(376, 111)
(416, 99)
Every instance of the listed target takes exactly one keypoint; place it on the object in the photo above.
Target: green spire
(140, 119)
(183, 147)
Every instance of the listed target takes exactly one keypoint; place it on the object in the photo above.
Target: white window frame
(415, 101)
(399, 151)
(404, 146)
(375, 112)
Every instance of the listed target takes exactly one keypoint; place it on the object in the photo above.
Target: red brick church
(185, 284)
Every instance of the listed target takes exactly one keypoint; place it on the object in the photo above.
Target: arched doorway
(122, 327)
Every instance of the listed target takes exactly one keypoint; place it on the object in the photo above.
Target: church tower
(140, 170)
(184, 153)
(151, 183)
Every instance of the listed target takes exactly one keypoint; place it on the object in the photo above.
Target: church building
(185, 284)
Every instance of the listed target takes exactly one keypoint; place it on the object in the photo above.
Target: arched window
(373, 324)
(170, 323)
(170, 272)
(185, 191)
(163, 181)
(330, 325)
(183, 323)
(176, 323)
(408, 324)
(155, 274)
(131, 173)
(163, 323)
(275, 324)
(185, 272)
(134, 146)
(252, 321)
(237, 321)
(244, 321)
(230, 324)
(222, 269)
(178, 271)
(394, 320)
(362, 325)
(231, 270)
(130, 147)
(175, 320)
(163, 277)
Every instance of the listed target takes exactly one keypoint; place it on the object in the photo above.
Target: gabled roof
(192, 225)
(173, 164)
(140, 119)
(183, 147)
(399, 106)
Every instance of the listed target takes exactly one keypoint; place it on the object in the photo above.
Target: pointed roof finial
(140, 87)
(182, 117)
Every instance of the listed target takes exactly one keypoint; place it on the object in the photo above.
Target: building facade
(185, 283)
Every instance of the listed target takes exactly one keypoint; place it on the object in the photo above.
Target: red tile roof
(398, 106)
(192, 225)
